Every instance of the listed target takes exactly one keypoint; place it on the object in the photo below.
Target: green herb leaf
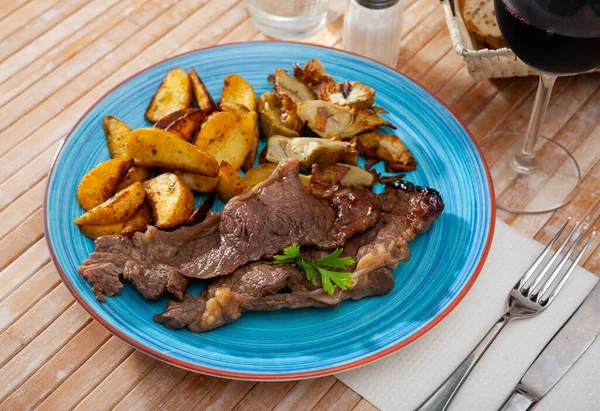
(291, 255)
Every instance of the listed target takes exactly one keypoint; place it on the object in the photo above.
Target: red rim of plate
(284, 376)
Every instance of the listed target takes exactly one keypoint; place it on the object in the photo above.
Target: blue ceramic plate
(292, 344)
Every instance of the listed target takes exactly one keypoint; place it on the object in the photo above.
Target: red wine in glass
(556, 38)
(559, 37)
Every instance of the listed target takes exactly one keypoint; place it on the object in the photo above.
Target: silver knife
(561, 353)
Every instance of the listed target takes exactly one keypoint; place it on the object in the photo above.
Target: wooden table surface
(57, 57)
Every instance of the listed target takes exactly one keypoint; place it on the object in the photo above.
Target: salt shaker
(373, 28)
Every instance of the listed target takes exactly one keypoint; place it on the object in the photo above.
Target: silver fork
(527, 299)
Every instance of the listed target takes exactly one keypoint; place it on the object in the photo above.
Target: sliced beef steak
(256, 287)
(273, 215)
(407, 211)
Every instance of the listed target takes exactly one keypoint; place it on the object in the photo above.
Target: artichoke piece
(353, 94)
(313, 74)
(389, 148)
(339, 123)
(309, 151)
(292, 87)
(278, 116)
(343, 174)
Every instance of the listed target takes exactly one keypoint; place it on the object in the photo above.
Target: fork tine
(537, 262)
(559, 267)
(560, 285)
(548, 266)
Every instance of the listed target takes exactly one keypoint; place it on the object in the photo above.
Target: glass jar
(373, 28)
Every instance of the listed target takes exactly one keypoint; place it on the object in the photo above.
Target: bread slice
(480, 18)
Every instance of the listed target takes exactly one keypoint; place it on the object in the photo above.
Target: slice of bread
(480, 18)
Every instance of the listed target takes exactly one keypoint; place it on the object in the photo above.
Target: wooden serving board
(57, 57)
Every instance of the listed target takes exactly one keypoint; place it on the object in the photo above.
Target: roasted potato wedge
(234, 144)
(153, 147)
(197, 182)
(336, 122)
(236, 108)
(201, 95)
(259, 173)
(215, 127)
(164, 122)
(116, 209)
(134, 175)
(138, 222)
(230, 183)
(173, 94)
(237, 90)
(200, 213)
(171, 200)
(278, 116)
(387, 147)
(187, 126)
(310, 151)
(116, 136)
(101, 182)
(251, 157)
(94, 231)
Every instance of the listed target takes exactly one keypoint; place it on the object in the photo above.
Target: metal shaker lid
(377, 4)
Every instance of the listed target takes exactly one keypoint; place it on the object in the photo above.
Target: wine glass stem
(525, 162)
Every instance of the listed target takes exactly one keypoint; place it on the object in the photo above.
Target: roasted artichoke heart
(386, 147)
(310, 151)
(292, 87)
(338, 123)
(278, 116)
(353, 94)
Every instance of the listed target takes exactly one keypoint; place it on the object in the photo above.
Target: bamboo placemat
(57, 57)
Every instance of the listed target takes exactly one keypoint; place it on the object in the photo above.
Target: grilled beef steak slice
(273, 215)
(255, 287)
(407, 211)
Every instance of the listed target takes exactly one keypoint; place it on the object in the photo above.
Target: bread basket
(485, 63)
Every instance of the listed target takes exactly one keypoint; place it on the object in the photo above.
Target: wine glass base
(546, 184)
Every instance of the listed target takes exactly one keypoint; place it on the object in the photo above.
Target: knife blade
(560, 354)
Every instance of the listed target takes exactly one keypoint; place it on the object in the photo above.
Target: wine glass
(556, 38)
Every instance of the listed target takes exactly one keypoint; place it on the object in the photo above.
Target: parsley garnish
(291, 255)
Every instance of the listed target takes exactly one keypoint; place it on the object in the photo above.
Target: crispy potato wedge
(94, 231)
(116, 209)
(187, 126)
(101, 182)
(236, 108)
(215, 127)
(116, 136)
(259, 173)
(164, 122)
(153, 147)
(138, 222)
(171, 200)
(201, 95)
(387, 147)
(173, 94)
(237, 90)
(200, 213)
(197, 182)
(134, 175)
(230, 183)
(234, 144)
(251, 156)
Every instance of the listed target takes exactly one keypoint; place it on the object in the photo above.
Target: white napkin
(405, 379)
